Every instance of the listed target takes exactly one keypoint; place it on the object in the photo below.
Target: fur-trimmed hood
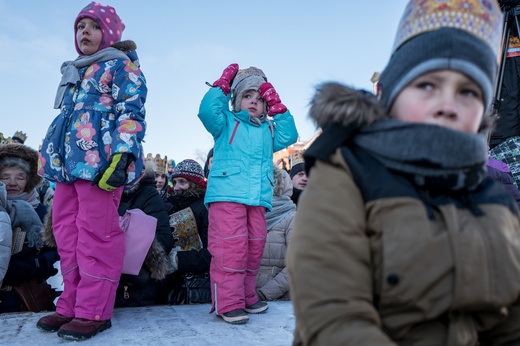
(340, 111)
(283, 185)
(334, 103)
(27, 154)
(125, 46)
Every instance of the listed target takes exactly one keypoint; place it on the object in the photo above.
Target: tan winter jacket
(387, 272)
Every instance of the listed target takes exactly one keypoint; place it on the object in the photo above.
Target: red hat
(190, 170)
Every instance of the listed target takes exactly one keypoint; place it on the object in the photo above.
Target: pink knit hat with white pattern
(111, 25)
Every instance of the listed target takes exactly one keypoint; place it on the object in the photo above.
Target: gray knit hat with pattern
(247, 79)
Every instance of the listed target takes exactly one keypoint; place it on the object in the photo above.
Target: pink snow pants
(236, 240)
(91, 246)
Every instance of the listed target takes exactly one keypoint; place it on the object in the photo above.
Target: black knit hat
(297, 164)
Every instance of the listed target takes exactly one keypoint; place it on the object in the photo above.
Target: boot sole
(257, 311)
(235, 320)
(47, 328)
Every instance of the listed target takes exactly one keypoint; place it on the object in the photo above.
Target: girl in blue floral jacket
(92, 149)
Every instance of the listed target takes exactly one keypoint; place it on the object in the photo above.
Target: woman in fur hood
(30, 259)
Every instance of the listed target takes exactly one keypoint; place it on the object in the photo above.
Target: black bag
(137, 290)
(190, 289)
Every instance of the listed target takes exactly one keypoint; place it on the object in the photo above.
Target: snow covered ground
(178, 325)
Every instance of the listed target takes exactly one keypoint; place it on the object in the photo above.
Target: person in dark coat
(146, 287)
(191, 258)
(298, 176)
(499, 171)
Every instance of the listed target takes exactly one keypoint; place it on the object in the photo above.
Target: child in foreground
(400, 238)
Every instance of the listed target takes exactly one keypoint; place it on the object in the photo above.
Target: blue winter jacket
(242, 168)
(101, 115)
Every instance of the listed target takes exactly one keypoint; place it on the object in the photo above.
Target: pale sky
(183, 44)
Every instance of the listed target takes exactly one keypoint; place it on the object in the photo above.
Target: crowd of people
(94, 171)
(399, 225)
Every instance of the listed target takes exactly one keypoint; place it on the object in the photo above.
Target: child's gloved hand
(271, 97)
(224, 82)
(114, 175)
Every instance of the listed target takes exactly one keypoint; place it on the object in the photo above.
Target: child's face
(160, 181)
(446, 98)
(253, 103)
(88, 36)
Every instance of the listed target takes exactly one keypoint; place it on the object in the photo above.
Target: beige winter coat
(385, 273)
(272, 281)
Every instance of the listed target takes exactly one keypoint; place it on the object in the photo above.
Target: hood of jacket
(334, 103)
(283, 185)
(27, 154)
(340, 111)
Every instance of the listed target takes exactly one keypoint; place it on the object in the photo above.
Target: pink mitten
(271, 97)
(224, 82)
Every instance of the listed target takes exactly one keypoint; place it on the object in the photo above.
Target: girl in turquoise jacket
(240, 183)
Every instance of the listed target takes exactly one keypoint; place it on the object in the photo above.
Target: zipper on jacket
(234, 132)
(126, 295)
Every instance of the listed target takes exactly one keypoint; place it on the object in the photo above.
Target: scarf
(23, 215)
(31, 197)
(70, 69)
(281, 206)
(434, 156)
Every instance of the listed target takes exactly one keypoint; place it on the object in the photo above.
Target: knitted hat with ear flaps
(22, 156)
(247, 79)
(458, 35)
(111, 25)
